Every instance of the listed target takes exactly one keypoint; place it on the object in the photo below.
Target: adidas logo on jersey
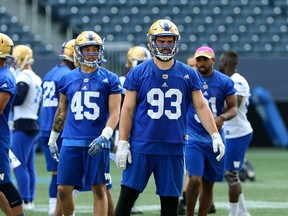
(4, 85)
(84, 88)
(105, 80)
(205, 93)
(164, 84)
(187, 76)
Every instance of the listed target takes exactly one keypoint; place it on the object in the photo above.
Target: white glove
(217, 143)
(123, 154)
(53, 146)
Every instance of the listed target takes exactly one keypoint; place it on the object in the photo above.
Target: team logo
(86, 80)
(205, 86)
(165, 76)
(186, 137)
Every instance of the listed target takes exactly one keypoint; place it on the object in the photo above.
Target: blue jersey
(7, 84)
(215, 90)
(50, 96)
(163, 99)
(87, 96)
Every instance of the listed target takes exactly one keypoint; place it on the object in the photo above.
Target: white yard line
(219, 205)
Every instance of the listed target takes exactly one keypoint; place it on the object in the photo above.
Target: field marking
(219, 205)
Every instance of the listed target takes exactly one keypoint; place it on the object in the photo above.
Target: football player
(50, 101)
(238, 134)
(26, 127)
(10, 199)
(89, 105)
(203, 167)
(153, 122)
(135, 56)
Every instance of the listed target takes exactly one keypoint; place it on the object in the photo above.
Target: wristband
(53, 137)
(215, 136)
(107, 133)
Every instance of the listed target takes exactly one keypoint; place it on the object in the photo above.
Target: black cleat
(181, 209)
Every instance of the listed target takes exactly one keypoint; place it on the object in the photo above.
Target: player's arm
(58, 124)
(127, 113)
(60, 114)
(4, 99)
(97, 144)
(114, 104)
(123, 153)
(22, 89)
(205, 115)
(230, 111)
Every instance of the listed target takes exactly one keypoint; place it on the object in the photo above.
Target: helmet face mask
(67, 50)
(88, 45)
(6, 46)
(136, 55)
(163, 29)
(22, 55)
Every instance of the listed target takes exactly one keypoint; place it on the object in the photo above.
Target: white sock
(52, 205)
(242, 207)
(233, 209)
(75, 193)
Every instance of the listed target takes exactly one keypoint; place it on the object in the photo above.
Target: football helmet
(160, 28)
(88, 38)
(6, 46)
(67, 50)
(23, 55)
(136, 55)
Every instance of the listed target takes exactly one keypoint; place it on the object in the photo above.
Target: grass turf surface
(267, 196)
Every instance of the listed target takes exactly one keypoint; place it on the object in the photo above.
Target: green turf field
(267, 196)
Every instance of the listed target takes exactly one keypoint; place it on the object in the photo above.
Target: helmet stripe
(166, 26)
(90, 36)
(63, 47)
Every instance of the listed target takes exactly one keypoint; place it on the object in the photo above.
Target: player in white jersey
(89, 106)
(10, 199)
(153, 122)
(238, 134)
(26, 127)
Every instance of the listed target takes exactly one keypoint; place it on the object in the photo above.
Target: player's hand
(123, 154)
(96, 145)
(54, 151)
(217, 144)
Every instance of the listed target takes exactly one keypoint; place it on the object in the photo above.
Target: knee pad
(232, 177)
(11, 194)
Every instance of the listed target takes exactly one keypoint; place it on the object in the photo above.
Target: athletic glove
(123, 154)
(100, 142)
(217, 144)
(53, 146)
(54, 151)
(96, 145)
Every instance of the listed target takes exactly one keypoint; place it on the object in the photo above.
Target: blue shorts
(5, 173)
(168, 171)
(75, 164)
(51, 164)
(201, 161)
(235, 151)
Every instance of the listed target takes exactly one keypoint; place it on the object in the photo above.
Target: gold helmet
(67, 50)
(136, 55)
(6, 46)
(88, 38)
(161, 28)
(23, 55)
